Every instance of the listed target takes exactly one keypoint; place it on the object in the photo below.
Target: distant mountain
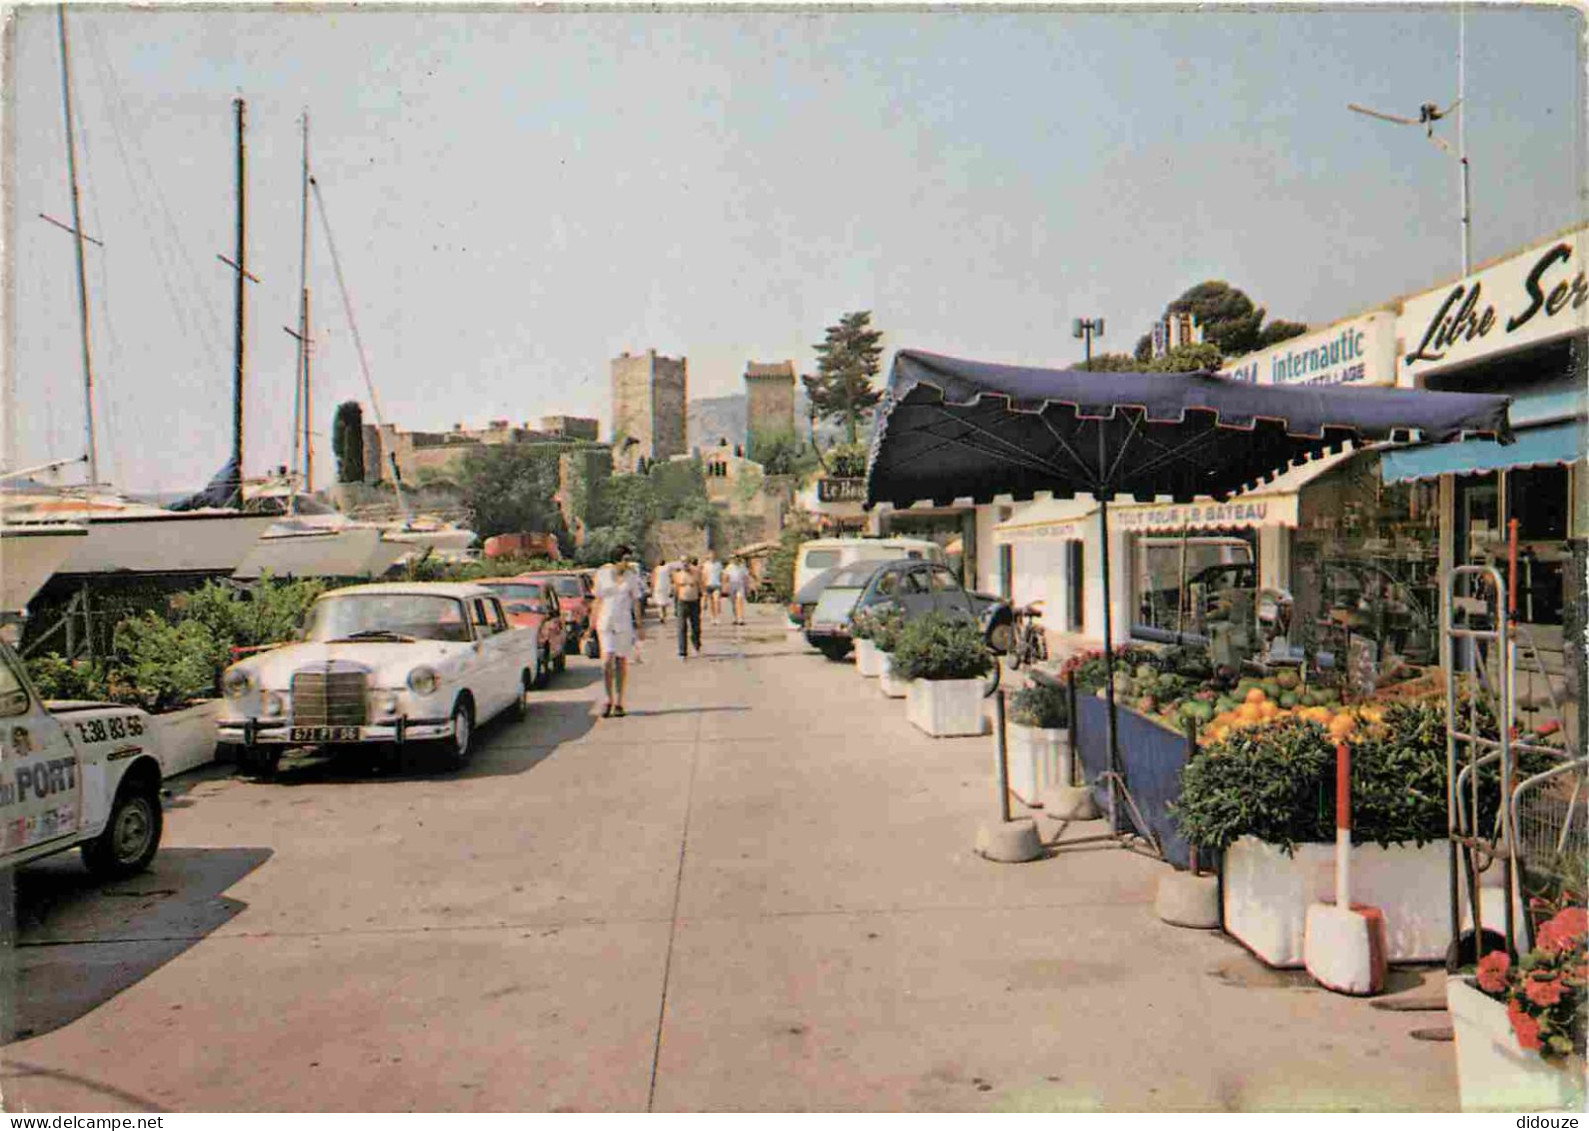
(714, 418)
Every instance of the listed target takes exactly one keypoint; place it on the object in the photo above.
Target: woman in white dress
(617, 590)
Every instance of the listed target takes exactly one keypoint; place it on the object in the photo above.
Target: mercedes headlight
(237, 683)
(423, 681)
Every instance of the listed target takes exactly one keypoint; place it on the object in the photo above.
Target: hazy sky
(518, 196)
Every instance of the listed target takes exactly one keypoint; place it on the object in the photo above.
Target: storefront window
(1365, 565)
(1183, 583)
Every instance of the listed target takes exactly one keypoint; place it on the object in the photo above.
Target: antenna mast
(1462, 138)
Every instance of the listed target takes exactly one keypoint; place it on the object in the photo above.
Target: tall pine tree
(847, 360)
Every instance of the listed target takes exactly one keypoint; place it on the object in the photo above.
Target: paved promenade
(756, 892)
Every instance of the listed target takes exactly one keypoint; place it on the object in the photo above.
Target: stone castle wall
(650, 404)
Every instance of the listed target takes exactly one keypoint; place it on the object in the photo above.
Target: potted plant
(885, 624)
(867, 661)
(1519, 1027)
(945, 660)
(1264, 797)
(1038, 739)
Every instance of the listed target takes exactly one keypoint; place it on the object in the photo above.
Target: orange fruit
(1256, 695)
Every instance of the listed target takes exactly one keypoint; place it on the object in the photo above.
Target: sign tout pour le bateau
(1532, 297)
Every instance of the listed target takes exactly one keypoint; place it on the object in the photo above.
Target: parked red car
(532, 603)
(575, 591)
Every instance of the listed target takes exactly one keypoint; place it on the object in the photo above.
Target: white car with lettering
(75, 775)
(386, 663)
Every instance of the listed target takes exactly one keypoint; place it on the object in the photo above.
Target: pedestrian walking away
(713, 577)
(687, 593)
(736, 584)
(617, 624)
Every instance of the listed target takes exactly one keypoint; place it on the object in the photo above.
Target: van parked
(825, 553)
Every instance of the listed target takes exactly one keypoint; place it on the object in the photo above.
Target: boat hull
(212, 542)
(331, 551)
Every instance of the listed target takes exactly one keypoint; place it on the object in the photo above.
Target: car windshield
(517, 592)
(387, 616)
(855, 576)
(567, 587)
(822, 559)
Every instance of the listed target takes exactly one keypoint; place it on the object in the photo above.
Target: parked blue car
(914, 587)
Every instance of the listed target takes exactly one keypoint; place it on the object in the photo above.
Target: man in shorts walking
(687, 587)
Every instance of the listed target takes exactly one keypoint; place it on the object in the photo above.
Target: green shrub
(1040, 705)
(164, 665)
(1277, 783)
(885, 625)
(266, 613)
(861, 626)
(936, 646)
(56, 677)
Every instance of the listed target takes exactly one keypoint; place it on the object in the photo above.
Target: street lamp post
(1086, 328)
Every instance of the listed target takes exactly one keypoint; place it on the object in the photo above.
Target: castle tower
(649, 406)
(769, 401)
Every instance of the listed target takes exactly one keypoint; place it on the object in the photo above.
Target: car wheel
(131, 836)
(834, 650)
(459, 747)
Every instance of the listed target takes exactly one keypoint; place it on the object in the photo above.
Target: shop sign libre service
(1361, 351)
(1532, 297)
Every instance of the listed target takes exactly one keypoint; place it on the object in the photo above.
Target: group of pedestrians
(692, 586)
(686, 584)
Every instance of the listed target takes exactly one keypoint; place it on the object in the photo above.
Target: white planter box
(946, 707)
(1494, 1072)
(1267, 894)
(867, 660)
(187, 737)
(1034, 756)
(886, 683)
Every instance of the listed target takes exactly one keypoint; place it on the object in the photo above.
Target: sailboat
(123, 535)
(313, 539)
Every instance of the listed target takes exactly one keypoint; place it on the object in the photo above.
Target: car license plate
(323, 734)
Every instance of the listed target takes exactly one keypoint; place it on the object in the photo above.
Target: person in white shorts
(617, 625)
(736, 584)
(712, 570)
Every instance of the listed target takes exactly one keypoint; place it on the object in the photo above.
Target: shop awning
(1548, 445)
(1048, 518)
(1273, 506)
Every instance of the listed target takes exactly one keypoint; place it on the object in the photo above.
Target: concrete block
(1013, 842)
(1344, 949)
(1186, 900)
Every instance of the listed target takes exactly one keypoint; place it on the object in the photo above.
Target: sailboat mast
(77, 236)
(308, 403)
(242, 281)
(303, 316)
(303, 261)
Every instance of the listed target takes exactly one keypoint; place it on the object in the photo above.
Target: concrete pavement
(756, 892)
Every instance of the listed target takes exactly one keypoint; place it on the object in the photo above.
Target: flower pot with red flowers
(1520, 1025)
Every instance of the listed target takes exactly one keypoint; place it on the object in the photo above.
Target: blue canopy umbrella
(949, 429)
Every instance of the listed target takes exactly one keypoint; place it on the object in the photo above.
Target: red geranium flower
(1564, 929)
(1526, 1028)
(1543, 991)
(1492, 971)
